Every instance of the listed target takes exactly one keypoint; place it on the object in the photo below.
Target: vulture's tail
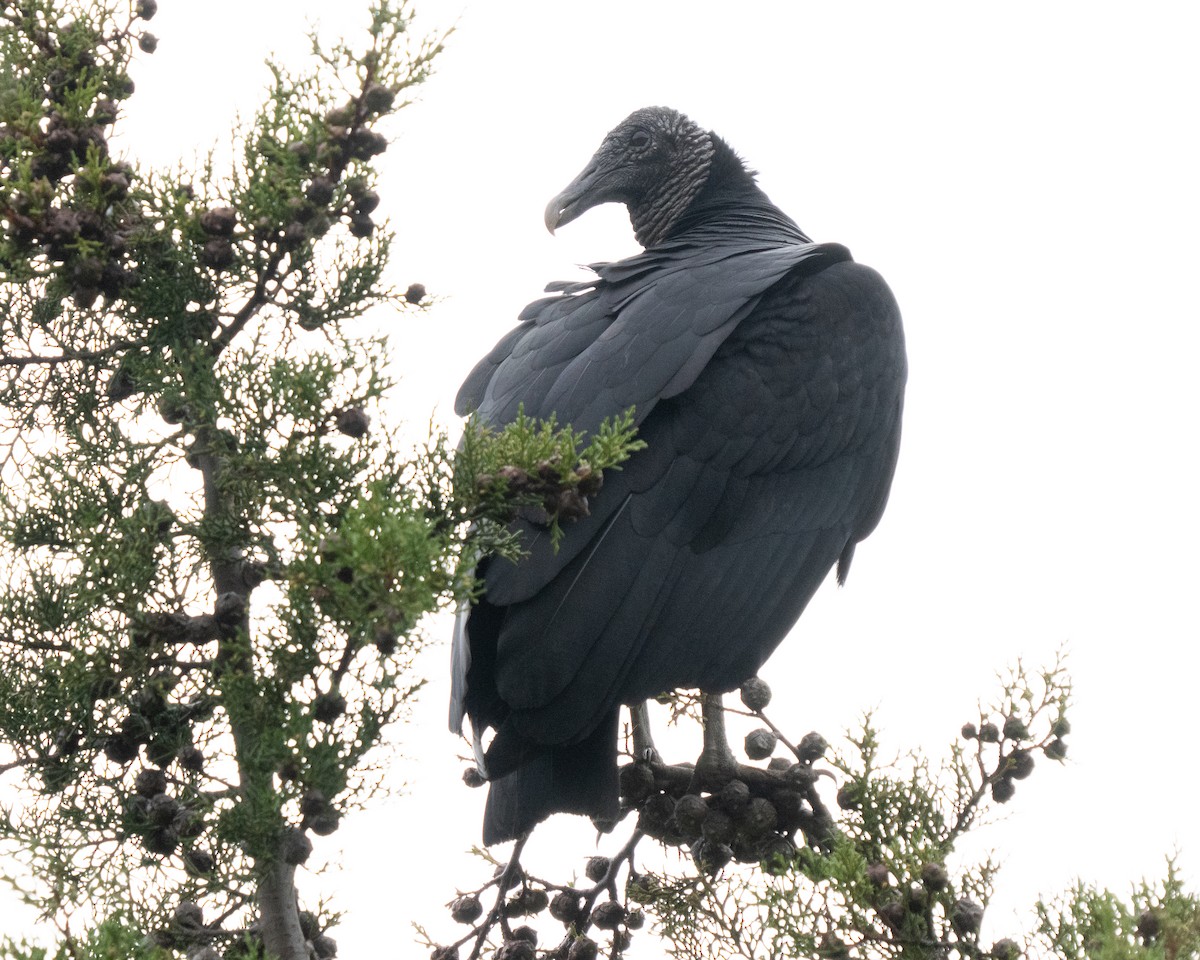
(572, 778)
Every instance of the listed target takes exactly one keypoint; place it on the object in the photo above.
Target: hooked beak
(584, 192)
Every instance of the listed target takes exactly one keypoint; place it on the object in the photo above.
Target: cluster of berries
(62, 196)
(188, 932)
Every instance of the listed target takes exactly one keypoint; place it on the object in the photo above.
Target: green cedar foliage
(114, 939)
(885, 881)
(1159, 921)
(759, 864)
(214, 559)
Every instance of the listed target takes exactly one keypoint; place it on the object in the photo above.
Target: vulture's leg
(643, 743)
(716, 765)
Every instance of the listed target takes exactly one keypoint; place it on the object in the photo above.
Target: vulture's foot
(716, 765)
(643, 742)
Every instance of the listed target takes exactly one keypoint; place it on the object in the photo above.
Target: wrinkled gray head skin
(655, 162)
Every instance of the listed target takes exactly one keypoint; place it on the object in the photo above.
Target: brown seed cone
(198, 862)
(691, 810)
(187, 913)
(655, 815)
(760, 744)
(565, 907)
(711, 857)
(755, 694)
(934, 876)
(892, 914)
(150, 782)
(115, 185)
(294, 234)
(758, 818)
(596, 868)
(791, 807)
(466, 909)
(121, 748)
(812, 747)
(1020, 764)
(219, 221)
(965, 917)
(295, 847)
(473, 778)
(313, 802)
(377, 98)
(328, 706)
(162, 810)
(361, 225)
(572, 505)
(366, 202)
(218, 254)
(1006, 949)
(637, 782)
(733, 797)
(163, 841)
(1055, 750)
(320, 190)
(608, 915)
(365, 144)
(353, 422)
(583, 948)
(528, 934)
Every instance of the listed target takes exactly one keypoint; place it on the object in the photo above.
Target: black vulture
(767, 373)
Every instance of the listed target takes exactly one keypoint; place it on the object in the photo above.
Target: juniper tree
(803, 850)
(215, 555)
(812, 850)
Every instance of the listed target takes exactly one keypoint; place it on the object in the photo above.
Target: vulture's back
(758, 477)
(767, 373)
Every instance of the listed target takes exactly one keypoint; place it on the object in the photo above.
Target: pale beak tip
(553, 215)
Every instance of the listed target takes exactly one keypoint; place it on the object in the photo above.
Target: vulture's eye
(639, 140)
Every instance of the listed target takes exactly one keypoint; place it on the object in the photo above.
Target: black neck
(730, 193)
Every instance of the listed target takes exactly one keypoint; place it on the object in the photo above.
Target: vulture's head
(655, 162)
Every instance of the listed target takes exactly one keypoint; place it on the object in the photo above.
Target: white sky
(1024, 175)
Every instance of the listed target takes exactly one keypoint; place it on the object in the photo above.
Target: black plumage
(768, 377)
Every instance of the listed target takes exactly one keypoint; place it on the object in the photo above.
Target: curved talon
(643, 743)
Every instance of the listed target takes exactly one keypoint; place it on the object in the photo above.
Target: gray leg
(716, 765)
(643, 743)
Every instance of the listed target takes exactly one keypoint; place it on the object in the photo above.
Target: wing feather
(771, 413)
